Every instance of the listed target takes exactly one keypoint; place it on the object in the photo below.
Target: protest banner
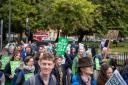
(28, 75)
(5, 59)
(61, 46)
(14, 65)
(112, 34)
(116, 79)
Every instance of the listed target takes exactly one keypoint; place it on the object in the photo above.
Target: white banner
(116, 79)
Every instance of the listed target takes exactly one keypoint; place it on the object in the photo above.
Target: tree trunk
(4, 35)
(20, 35)
(58, 33)
(80, 38)
(20, 32)
(81, 35)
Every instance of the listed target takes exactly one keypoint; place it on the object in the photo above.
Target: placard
(5, 59)
(61, 46)
(112, 34)
(97, 62)
(28, 75)
(14, 65)
(116, 79)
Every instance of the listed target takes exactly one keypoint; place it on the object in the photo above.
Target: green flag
(5, 59)
(61, 46)
(14, 65)
(28, 75)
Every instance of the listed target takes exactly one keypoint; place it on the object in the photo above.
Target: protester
(85, 71)
(27, 68)
(93, 50)
(68, 58)
(23, 52)
(44, 77)
(42, 49)
(102, 44)
(60, 71)
(125, 72)
(73, 53)
(106, 43)
(50, 48)
(29, 51)
(36, 59)
(10, 78)
(75, 61)
(76, 67)
(104, 74)
(2, 76)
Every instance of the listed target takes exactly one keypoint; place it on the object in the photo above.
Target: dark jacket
(64, 69)
(21, 76)
(68, 60)
(125, 74)
(72, 56)
(7, 71)
(38, 80)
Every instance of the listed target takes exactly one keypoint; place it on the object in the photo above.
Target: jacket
(38, 81)
(76, 80)
(62, 78)
(21, 76)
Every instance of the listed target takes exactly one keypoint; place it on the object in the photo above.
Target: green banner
(14, 65)
(61, 46)
(28, 75)
(97, 64)
(5, 59)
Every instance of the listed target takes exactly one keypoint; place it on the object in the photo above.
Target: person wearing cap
(84, 74)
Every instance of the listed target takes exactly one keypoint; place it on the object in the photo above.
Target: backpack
(32, 80)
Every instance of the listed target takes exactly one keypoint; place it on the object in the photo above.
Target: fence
(120, 59)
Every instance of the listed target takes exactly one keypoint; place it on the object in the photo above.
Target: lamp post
(1, 33)
(27, 29)
(9, 26)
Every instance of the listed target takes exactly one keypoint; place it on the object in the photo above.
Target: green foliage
(20, 11)
(112, 15)
(69, 15)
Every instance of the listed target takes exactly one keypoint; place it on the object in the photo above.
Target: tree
(21, 10)
(112, 15)
(68, 15)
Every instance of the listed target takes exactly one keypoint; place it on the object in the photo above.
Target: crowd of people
(76, 67)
